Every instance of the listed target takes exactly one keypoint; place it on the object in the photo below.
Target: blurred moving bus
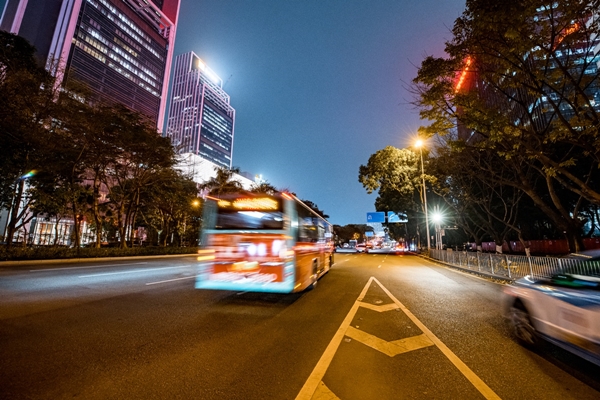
(262, 243)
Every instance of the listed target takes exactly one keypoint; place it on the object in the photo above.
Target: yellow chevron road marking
(389, 348)
(387, 307)
(323, 393)
(315, 389)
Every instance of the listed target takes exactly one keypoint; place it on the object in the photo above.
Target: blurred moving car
(361, 248)
(564, 310)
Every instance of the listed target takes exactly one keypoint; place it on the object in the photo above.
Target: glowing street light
(437, 218)
(419, 145)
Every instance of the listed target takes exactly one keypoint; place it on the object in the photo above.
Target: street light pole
(419, 145)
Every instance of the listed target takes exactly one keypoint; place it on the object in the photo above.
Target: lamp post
(419, 145)
(437, 218)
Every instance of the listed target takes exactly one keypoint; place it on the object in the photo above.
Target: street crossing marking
(315, 389)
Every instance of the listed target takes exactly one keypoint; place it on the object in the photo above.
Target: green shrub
(48, 252)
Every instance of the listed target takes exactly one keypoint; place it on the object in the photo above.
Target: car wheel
(523, 328)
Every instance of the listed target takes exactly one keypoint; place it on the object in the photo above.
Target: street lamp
(437, 218)
(419, 145)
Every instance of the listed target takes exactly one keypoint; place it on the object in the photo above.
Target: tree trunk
(76, 224)
(122, 226)
(96, 208)
(14, 211)
(56, 225)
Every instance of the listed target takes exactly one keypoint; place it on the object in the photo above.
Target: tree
(139, 155)
(352, 231)
(27, 94)
(171, 206)
(529, 95)
(263, 187)
(481, 206)
(396, 175)
(315, 208)
(223, 182)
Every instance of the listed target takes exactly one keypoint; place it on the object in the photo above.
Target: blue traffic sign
(393, 217)
(376, 216)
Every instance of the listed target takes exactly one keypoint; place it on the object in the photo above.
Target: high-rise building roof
(201, 119)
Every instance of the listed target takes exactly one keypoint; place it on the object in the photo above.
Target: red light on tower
(564, 33)
(463, 74)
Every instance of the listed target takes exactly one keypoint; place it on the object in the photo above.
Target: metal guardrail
(512, 267)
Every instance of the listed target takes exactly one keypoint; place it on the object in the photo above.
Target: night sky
(317, 85)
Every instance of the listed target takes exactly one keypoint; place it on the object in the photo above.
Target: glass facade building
(122, 49)
(201, 120)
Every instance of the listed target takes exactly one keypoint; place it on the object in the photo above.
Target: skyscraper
(201, 120)
(122, 49)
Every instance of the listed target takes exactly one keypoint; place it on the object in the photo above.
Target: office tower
(201, 120)
(122, 49)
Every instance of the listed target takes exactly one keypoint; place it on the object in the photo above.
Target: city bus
(262, 243)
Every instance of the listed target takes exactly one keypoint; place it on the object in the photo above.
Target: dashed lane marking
(86, 267)
(170, 280)
(134, 271)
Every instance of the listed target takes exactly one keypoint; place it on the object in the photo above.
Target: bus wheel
(315, 276)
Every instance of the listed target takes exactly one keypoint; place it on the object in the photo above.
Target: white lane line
(480, 385)
(88, 267)
(135, 271)
(170, 280)
(318, 372)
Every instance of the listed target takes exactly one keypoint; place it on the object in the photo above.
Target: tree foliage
(521, 84)
(66, 158)
(223, 182)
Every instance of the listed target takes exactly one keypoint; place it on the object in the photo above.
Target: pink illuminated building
(122, 49)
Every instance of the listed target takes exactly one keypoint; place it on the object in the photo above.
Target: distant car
(564, 309)
(361, 248)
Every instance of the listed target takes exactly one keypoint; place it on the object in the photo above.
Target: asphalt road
(375, 327)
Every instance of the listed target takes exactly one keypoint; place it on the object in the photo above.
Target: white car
(564, 309)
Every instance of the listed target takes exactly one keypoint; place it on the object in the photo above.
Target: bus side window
(307, 230)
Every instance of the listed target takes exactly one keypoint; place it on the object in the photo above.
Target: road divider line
(135, 271)
(88, 267)
(170, 280)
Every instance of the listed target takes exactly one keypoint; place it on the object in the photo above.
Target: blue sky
(318, 85)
